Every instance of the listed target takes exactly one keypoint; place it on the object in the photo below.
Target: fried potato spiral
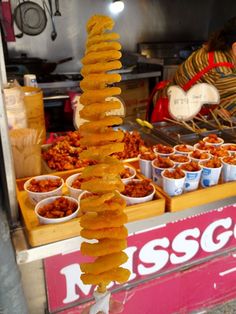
(103, 216)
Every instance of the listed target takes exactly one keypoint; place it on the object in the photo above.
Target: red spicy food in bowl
(190, 166)
(45, 185)
(163, 149)
(183, 148)
(138, 188)
(147, 156)
(218, 151)
(197, 154)
(176, 173)
(230, 160)
(212, 163)
(60, 207)
(179, 158)
(163, 162)
(213, 139)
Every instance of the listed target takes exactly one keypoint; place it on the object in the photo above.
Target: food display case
(202, 214)
(173, 242)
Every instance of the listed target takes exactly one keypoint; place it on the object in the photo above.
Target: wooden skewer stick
(205, 121)
(217, 121)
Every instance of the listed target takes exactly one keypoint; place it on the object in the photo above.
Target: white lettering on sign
(72, 275)
(129, 264)
(207, 241)
(155, 254)
(183, 244)
(148, 254)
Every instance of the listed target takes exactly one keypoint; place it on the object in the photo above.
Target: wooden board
(199, 197)
(42, 234)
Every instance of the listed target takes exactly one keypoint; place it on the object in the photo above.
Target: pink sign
(150, 252)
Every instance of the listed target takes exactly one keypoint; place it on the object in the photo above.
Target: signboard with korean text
(164, 248)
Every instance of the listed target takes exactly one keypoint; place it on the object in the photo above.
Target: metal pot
(36, 65)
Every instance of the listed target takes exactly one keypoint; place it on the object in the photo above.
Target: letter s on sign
(148, 254)
(207, 241)
(181, 244)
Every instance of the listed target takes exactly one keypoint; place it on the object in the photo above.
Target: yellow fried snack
(100, 67)
(104, 263)
(101, 203)
(103, 247)
(95, 111)
(98, 81)
(93, 139)
(100, 169)
(106, 121)
(94, 153)
(102, 38)
(93, 96)
(101, 56)
(102, 209)
(119, 274)
(97, 24)
(106, 184)
(111, 233)
(105, 219)
(104, 46)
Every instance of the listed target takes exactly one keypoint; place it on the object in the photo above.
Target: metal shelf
(26, 254)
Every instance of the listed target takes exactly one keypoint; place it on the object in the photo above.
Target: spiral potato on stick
(103, 209)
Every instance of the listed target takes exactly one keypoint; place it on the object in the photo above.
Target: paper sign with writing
(185, 105)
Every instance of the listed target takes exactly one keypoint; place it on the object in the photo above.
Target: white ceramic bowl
(189, 149)
(46, 201)
(221, 141)
(135, 200)
(74, 192)
(36, 197)
(132, 174)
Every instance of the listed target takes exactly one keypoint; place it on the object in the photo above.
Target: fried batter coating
(101, 169)
(104, 263)
(101, 56)
(89, 111)
(102, 38)
(101, 67)
(103, 247)
(98, 81)
(93, 139)
(107, 183)
(94, 152)
(97, 24)
(95, 204)
(104, 46)
(106, 121)
(94, 96)
(102, 220)
(119, 274)
(111, 233)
